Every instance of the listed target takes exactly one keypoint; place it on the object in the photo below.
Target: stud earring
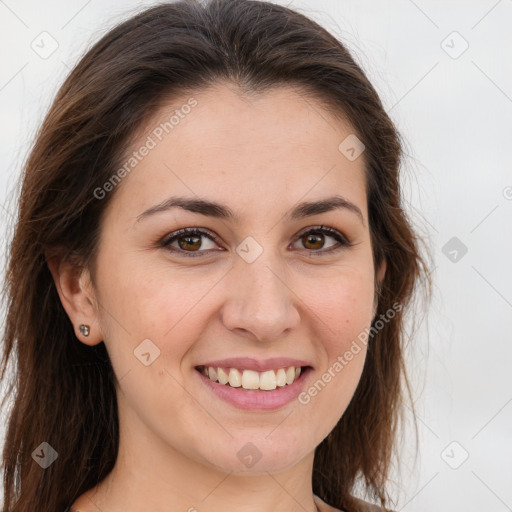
(84, 330)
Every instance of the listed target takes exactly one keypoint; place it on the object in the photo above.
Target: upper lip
(259, 365)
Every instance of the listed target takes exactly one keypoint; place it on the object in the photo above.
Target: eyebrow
(217, 210)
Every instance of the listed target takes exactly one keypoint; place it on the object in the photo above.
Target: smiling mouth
(251, 379)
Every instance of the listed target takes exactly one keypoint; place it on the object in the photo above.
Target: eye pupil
(312, 238)
(188, 244)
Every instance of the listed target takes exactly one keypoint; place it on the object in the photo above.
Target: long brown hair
(62, 391)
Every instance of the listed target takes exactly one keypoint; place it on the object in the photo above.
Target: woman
(209, 274)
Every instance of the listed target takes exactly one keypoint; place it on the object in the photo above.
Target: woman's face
(268, 288)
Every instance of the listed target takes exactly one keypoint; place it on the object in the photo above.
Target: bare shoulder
(364, 506)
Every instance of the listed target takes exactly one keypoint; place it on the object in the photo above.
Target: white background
(455, 115)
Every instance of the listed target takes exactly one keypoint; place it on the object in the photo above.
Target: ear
(77, 296)
(379, 278)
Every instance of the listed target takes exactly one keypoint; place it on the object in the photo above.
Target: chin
(256, 458)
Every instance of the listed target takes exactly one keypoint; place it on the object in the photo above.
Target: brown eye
(313, 241)
(188, 243)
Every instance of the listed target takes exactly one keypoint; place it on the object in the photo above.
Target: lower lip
(252, 399)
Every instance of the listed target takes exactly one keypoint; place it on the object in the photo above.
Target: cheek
(344, 308)
(150, 309)
(343, 313)
(149, 297)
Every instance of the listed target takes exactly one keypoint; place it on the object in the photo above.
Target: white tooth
(281, 377)
(222, 376)
(297, 372)
(212, 373)
(250, 379)
(290, 374)
(235, 378)
(268, 380)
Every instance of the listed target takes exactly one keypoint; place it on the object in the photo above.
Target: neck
(150, 475)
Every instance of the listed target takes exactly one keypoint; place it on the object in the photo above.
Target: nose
(260, 303)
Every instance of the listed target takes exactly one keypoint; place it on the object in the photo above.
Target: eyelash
(166, 241)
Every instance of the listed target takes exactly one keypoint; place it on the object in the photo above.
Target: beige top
(364, 506)
(322, 506)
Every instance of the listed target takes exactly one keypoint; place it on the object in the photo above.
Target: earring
(84, 329)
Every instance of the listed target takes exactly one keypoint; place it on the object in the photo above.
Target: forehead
(242, 150)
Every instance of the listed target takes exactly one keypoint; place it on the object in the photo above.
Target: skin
(259, 156)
